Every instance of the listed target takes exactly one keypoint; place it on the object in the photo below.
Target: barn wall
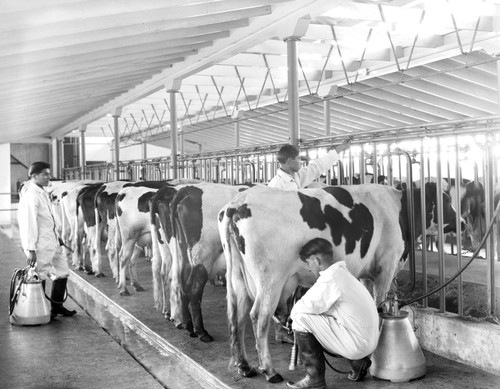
(26, 154)
(5, 199)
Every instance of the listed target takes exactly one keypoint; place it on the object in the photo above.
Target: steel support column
(327, 117)
(144, 150)
(83, 160)
(237, 134)
(293, 90)
(60, 157)
(173, 130)
(116, 132)
(54, 157)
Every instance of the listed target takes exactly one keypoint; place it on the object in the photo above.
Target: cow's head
(449, 213)
(473, 211)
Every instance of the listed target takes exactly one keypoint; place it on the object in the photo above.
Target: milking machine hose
(16, 281)
(476, 253)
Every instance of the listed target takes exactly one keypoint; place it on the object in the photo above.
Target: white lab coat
(37, 232)
(340, 312)
(305, 176)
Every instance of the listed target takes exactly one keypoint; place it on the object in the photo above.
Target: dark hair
(37, 167)
(316, 246)
(287, 151)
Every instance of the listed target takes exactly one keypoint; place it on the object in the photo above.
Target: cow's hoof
(179, 326)
(192, 334)
(100, 275)
(206, 338)
(124, 293)
(139, 288)
(245, 370)
(275, 379)
(79, 268)
(89, 272)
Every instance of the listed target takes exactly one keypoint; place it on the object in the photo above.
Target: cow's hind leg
(187, 320)
(125, 255)
(263, 308)
(133, 269)
(197, 282)
(383, 280)
(238, 307)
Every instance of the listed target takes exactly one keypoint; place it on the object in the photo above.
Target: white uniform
(340, 312)
(37, 231)
(305, 176)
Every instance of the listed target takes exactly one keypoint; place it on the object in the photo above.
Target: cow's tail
(224, 223)
(156, 259)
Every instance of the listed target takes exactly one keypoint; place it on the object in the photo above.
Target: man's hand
(343, 146)
(31, 258)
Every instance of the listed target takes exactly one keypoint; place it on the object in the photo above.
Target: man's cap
(37, 167)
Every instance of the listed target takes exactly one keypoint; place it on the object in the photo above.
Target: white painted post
(293, 90)
(54, 157)
(327, 117)
(83, 160)
(173, 130)
(5, 189)
(117, 114)
(237, 133)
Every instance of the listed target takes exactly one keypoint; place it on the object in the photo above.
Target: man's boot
(57, 297)
(314, 362)
(281, 335)
(359, 368)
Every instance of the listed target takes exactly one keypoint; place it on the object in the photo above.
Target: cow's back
(356, 219)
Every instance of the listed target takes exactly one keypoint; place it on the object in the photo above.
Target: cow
(104, 209)
(86, 206)
(64, 211)
(188, 217)
(473, 208)
(74, 216)
(133, 227)
(263, 229)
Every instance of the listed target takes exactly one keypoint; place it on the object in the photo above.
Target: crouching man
(337, 314)
(38, 236)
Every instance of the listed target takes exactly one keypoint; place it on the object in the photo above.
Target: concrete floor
(68, 353)
(214, 357)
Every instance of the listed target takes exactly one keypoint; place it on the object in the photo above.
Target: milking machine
(28, 303)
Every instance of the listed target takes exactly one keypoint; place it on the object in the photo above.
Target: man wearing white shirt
(39, 239)
(291, 176)
(337, 314)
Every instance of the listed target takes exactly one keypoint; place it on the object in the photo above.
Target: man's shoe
(281, 335)
(57, 297)
(313, 358)
(359, 369)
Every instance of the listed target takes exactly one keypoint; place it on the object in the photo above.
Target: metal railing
(442, 151)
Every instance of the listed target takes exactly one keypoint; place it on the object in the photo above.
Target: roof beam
(241, 39)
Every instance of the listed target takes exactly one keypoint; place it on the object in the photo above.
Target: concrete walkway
(68, 353)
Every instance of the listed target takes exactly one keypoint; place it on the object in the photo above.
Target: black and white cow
(263, 230)
(86, 206)
(133, 227)
(105, 212)
(188, 218)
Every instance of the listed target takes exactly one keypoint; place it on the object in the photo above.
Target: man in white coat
(39, 239)
(337, 314)
(291, 176)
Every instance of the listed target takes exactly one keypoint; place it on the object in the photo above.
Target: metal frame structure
(377, 153)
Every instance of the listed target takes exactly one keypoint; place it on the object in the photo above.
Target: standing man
(337, 314)
(291, 176)
(39, 239)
